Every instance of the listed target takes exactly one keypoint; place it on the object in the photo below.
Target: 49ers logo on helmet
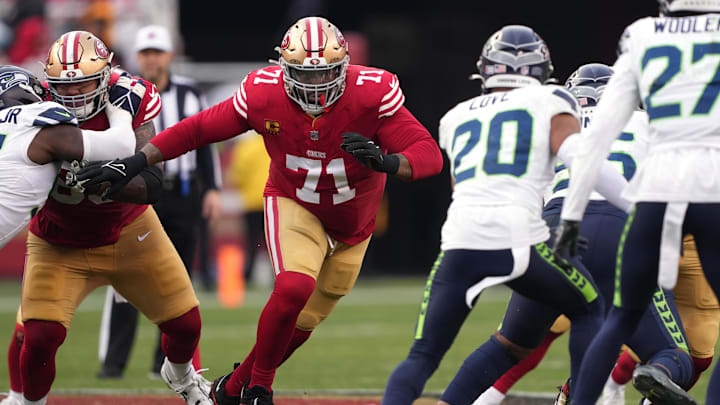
(340, 37)
(286, 40)
(101, 49)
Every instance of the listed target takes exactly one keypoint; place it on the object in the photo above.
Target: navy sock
(582, 331)
(602, 353)
(479, 372)
(407, 381)
(677, 364)
(713, 392)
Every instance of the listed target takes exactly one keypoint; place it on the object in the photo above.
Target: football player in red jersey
(78, 242)
(333, 132)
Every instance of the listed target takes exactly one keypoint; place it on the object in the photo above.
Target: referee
(190, 195)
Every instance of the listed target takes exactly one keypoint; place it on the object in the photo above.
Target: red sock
(245, 369)
(275, 330)
(196, 358)
(37, 357)
(14, 358)
(700, 366)
(622, 373)
(180, 336)
(512, 376)
(298, 338)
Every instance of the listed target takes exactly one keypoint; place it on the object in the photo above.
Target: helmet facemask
(87, 105)
(314, 87)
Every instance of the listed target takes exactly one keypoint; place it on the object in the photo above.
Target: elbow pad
(153, 183)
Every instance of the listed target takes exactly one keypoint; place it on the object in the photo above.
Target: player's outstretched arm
(215, 124)
(67, 142)
(618, 102)
(564, 143)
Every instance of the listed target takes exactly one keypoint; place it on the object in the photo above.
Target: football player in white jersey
(502, 147)
(671, 64)
(35, 136)
(659, 337)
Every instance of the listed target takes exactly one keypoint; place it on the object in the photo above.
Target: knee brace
(316, 310)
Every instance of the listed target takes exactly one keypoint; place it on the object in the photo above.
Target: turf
(356, 348)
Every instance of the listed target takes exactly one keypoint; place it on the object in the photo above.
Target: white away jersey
(24, 185)
(675, 62)
(628, 151)
(501, 162)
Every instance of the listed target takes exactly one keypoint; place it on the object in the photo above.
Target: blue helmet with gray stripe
(588, 82)
(678, 8)
(514, 56)
(19, 86)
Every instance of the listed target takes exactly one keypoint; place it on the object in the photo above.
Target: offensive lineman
(78, 242)
(669, 63)
(35, 135)
(502, 146)
(333, 132)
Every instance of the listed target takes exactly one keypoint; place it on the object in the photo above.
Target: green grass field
(356, 348)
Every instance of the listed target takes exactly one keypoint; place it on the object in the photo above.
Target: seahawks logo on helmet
(19, 86)
(515, 56)
(588, 83)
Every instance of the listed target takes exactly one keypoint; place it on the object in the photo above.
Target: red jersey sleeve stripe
(392, 103)
(238, 104)
(152, 113)
(395, 107)
(395, 85)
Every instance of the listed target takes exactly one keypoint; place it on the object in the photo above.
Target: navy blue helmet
(515, 56)
(687, 7)
(19, 86)
(588, 82)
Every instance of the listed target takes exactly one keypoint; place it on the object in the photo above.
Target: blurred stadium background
(432, 46)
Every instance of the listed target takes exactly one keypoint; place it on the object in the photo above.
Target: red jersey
(307, 163)
(70, 218)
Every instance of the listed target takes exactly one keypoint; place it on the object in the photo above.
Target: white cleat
(192, 387)
(14, 398)
(612, 394)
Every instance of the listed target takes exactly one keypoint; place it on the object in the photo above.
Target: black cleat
(257, 395)
(218, 395)
(656, 386)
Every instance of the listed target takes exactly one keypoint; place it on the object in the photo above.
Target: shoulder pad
(565, 95)
(381, 87)
(51, 113)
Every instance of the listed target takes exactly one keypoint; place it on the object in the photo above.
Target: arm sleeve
(118, 141)
(610, 182)
(218, 123)
(402, 133)
(620, 99)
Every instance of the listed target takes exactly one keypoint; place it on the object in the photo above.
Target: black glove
(117, 172)
(566, 241)
(369, 154)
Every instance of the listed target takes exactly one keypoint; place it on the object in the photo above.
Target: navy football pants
(444, 309)
(638, 265)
